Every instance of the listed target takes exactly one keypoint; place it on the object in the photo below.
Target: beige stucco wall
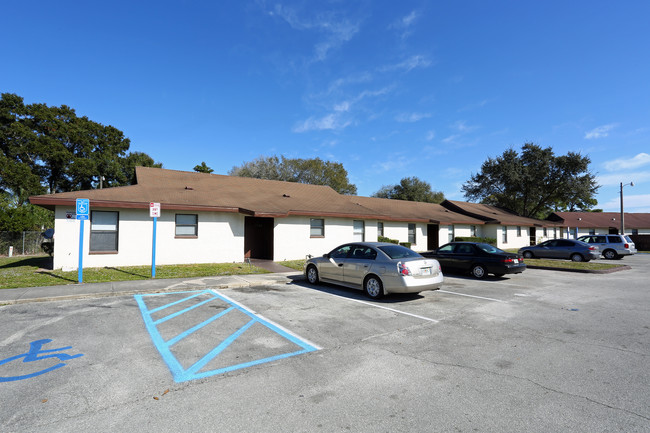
(221, 239)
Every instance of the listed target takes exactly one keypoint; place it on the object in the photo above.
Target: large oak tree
(313, 171)
(535, 182)
(411, 189)
(47, 149)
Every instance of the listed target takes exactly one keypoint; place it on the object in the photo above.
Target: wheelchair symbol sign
(83, 208)
(35, 353)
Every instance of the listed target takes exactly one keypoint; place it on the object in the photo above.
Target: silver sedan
(377, 268)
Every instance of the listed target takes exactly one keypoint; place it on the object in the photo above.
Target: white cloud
(633, 203)
(462, 127)
(405, 23)
(628, 163)
(411, 117)
(600, 132)
(413, 62)
(617, 178)
(431, 135)
(337, 30)
(331, 121)
(451, 138)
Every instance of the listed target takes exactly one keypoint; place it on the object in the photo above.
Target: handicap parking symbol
(36, 353)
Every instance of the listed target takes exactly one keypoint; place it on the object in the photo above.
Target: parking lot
(537, 352)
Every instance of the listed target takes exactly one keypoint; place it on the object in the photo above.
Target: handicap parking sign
(83, 208)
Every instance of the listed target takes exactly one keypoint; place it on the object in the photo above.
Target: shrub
(385, 239)
(405, 244)
(491, 241)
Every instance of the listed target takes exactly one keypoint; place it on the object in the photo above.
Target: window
(545, 230)
(363, 253)
(358, 231)
(412, 233)
(380, 229)
(504, 234)
(473, 231)
(518, 231)
(451, 233)
(103, 231)
(317, 228)
(592, 231)
(635, 232)
(187, 226)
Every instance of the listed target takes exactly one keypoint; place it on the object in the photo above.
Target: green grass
(294, 264)
(567, 264)
(35, 271)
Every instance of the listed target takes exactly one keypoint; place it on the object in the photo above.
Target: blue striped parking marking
(194, 302)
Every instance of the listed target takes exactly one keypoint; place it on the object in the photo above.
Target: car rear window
(398, 252)
(490, 248)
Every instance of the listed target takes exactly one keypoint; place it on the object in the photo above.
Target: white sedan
(377, 268)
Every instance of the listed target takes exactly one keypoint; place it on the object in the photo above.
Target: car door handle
(340, 265)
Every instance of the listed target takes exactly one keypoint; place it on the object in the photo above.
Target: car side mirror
(327, 256)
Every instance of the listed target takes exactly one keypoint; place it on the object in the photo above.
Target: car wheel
(610, 254)
(577, 257)
(528, 255)
(499, 275)
(373, 287)
(312, 275)
(479, 271)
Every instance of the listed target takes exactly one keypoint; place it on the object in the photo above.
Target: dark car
(477, 258)
(562, 249)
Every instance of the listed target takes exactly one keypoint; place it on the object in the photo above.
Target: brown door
(258, 238)
(433, 239)
(533, 240)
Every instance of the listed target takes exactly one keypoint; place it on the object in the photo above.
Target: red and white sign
(154, 209)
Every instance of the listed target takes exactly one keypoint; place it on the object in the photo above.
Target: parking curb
(582, 271)
(174, 285)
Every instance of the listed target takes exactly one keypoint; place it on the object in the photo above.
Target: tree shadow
(127, 272)
(41, 262)
(50, 274)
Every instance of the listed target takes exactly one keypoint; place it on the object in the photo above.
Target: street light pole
(622, 215)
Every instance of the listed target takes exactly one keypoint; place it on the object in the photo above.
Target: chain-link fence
(23, 243)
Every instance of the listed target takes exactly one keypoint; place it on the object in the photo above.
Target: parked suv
(611, 246)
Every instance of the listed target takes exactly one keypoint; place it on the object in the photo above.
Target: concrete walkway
(122, 288)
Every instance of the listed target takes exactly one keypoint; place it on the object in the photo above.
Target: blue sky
(388, 89)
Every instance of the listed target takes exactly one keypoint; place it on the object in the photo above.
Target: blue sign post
(83, 211)
(154, 211)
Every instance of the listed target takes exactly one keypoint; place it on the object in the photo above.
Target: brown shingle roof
(182, 190)
(401, 210)
(601, 219)
(493, 214)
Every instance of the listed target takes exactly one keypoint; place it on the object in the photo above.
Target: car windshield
(490, 248)
(398, 252)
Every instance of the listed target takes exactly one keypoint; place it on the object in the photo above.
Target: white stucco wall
(221, 239)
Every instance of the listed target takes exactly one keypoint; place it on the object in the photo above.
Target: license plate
(425, 271)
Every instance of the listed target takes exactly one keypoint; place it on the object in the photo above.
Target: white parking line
(428, 319)
(472, 296)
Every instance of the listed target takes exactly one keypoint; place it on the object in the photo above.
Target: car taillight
(592, 248)
(508, 260)
(627, 245)
(403, 270)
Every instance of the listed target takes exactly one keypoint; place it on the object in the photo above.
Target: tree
(203, 168)
(313, 171)
(51, 149)
(133, 160)
(16, 217)
(535, 182)
(410, 189)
